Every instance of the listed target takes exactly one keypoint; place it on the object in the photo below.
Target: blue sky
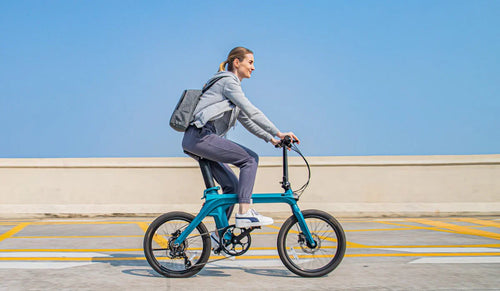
(101, 78)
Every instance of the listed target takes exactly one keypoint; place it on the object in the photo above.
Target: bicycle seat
(206, 172)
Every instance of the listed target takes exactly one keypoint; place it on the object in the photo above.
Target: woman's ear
(236, 63)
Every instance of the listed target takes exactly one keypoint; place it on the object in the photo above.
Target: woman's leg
(203, 143)
(244, 207)
(227, 179)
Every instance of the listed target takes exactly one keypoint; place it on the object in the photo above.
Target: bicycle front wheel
(304, 260)
(184, 260)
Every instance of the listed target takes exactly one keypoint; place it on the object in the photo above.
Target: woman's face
(244, 68)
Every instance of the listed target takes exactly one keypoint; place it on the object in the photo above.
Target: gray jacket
(225, 102)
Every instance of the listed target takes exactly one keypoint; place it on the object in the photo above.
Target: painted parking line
(255, 259)
(480, 222)
(13, 231)
(72, 250)
(456, 228)
(443, 250)
(414, 227)
(47, 260)
(77, 236)
(259, 256)
(458, 260)
(250, 255)
(41, 265)
(37, 255)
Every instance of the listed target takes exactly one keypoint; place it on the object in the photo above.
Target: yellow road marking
(81, 222)
(98, 222)
(273, 226)
(358, 230)
(160, 240)
(480, 222)
(425, 255)
(350, 245)
(143, 225)
(347, 242)
(14, 230)
(378, 229)
(457, 228)
(404, 226)
(77, 236)
(260, 257)
(71, 250)
(140, 236)
(427, 246)
(417, 227)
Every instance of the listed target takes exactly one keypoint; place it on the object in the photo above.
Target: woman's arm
(232, 91)
(252, 118)
(254, 128)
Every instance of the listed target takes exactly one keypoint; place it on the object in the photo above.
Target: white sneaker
(215, 246)
(252, 218)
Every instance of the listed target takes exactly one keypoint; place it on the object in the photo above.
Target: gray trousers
(219, 151)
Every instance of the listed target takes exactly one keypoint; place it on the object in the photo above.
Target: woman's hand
(274, 141)
(282, 135)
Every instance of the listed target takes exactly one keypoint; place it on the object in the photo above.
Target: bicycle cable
(301, 190)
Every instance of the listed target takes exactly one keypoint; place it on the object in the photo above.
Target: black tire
(312, 262)
(158, 251)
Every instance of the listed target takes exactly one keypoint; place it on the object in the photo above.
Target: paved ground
(383, 254)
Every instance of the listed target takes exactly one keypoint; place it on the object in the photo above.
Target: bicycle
(310, 243)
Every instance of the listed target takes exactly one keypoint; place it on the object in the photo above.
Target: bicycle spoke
(311, 260)
(177, 260)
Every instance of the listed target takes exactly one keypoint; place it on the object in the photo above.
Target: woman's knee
(252, 161)
(256, 158)
(253, 155)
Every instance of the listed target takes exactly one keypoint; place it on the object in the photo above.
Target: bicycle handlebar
(286, 141)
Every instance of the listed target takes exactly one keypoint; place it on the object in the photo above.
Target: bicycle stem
(285, 184)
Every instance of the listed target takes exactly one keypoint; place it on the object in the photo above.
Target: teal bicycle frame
(216, 205)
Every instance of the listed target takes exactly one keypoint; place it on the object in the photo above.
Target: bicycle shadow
(143, 269)
(271, 273)
(150, 273)
(219, 272)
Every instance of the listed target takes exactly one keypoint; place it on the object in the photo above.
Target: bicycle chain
(212, 261)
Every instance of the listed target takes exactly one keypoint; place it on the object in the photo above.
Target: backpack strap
(211, 83)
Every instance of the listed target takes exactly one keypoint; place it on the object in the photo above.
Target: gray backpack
(183, 113)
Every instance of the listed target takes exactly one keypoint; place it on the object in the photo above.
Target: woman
(217, 111)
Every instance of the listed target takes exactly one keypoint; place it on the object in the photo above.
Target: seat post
(207, 173)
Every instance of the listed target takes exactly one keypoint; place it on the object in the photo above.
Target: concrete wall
(345, 186)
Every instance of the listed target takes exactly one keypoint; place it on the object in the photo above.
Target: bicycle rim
(306, 261)
(161, 255)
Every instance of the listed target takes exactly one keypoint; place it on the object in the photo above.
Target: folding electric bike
(311, 243)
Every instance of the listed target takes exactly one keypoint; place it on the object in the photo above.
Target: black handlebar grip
(286, 141)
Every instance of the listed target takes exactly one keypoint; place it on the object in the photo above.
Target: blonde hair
(236, 53)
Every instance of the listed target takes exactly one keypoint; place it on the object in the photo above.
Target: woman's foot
(252, 218)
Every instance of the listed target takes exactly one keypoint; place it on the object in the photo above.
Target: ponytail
(222, 66)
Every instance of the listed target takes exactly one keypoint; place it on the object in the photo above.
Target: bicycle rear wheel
(177, 262)
(304, 260)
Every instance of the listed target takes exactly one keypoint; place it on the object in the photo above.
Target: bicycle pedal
(250, 228)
